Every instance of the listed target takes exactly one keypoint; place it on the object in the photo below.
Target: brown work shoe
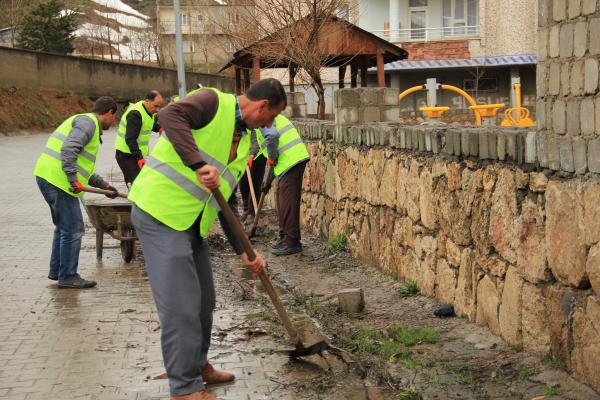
(203, 395)
(211, 375)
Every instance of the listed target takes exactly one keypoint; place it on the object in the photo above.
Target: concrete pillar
(394, 20)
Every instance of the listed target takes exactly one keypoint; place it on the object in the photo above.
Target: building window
(459, 17)
(188, 46)
(185, 19)
(229, 48)
(483, 85)
(343, 12)
(417, 3)
(200, 23)
(418, 24)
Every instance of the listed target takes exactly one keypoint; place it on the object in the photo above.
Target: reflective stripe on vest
(228, 176)
(49, 164)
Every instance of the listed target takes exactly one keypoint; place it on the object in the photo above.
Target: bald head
(153, 102)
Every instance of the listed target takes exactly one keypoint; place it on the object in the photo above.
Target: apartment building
(207, 26)
(476, 45)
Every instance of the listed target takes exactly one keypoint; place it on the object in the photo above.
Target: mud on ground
(399, 348)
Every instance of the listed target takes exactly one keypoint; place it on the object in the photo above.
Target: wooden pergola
(341, 43)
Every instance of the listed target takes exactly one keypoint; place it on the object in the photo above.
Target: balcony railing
(427, 34)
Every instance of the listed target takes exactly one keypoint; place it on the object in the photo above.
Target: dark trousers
(289, 197)
(258, 172)
(129, 166)
(180, 274)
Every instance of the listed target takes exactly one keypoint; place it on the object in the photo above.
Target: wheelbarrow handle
(238, 232)
(90, 189)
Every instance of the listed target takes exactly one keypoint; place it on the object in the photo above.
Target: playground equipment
(517, 115)
(485, 112)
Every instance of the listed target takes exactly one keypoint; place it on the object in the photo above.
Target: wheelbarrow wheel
(127, 247)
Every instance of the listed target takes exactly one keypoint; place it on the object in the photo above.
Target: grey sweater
(82, 132)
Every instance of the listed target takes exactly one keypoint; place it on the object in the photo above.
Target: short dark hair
(105, 104)
(268, 89)
(151, 95)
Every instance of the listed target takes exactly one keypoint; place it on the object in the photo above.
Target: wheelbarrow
(112, 216)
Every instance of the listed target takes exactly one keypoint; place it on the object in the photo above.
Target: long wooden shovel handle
(263, 195)
(240, 235)
(251, 184)
(257, 213)
(90, 189)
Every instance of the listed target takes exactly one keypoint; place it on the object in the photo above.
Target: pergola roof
(339, 41)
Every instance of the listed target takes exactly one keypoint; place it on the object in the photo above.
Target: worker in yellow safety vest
(287, 155)
(64, 168)
(132, 143)
(205, 146)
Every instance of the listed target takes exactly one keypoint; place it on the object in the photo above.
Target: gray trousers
(181, 277)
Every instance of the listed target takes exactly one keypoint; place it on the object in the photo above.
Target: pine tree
(48, 28)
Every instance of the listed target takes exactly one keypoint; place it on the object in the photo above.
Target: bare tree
(289, 33)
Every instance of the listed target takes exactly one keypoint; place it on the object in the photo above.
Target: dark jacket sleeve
(156, 126)
(134, 126)
(82, 132)
(178, 119)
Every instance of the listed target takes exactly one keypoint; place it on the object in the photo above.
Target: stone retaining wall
(512, 244)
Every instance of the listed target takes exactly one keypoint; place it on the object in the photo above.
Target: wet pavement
(104, 343)
(101, 343)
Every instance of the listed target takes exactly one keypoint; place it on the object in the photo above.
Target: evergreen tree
(48, 28)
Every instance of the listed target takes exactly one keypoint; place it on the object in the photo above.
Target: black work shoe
(280, 243)
(286, 250)
(52, 276)
(77, 283)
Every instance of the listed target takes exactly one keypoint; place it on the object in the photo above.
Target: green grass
(410, 289)
(297, 298)
(337, 243)
(553, 391)
(526, 372)
(409, 393)
(434, 380)
(410, 336)
(557, 364)
(394, 345)
(463, 375)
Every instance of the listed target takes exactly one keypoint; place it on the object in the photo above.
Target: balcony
(427, 34)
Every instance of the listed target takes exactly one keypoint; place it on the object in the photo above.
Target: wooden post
(363, 71)
(353, 73)
(380, 71)
(342, 75)
(238, 81)
(246, 78)
(256, 69)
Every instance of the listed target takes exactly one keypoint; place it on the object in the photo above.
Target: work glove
(76, 187)
(250, 159)
(141, 162)
(112, 189)
(161, 131)
(271, 161)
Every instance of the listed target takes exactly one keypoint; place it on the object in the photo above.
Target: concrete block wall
(296, 105)
(356, 106)
(568, 103)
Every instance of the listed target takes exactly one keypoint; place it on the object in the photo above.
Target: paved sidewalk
(101, 343)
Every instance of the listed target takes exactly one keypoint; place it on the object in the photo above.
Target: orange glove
(76, 187)
(271, 162)
(250, 159)
(161, 131)
(141, 163)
